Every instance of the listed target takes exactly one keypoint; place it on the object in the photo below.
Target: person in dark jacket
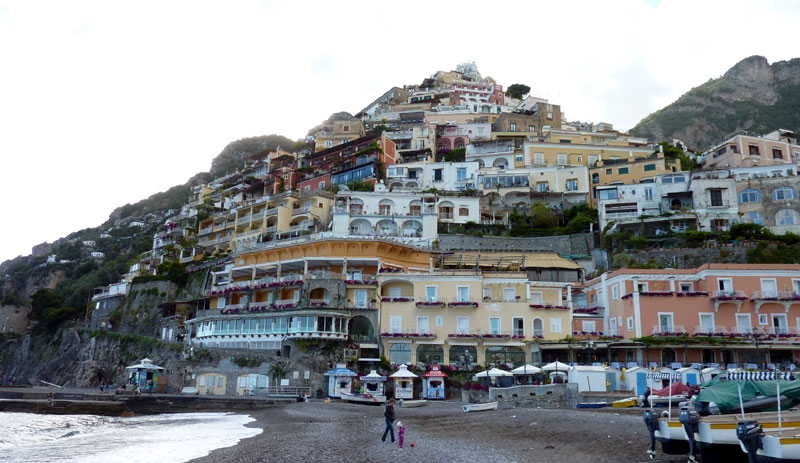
(388, 413)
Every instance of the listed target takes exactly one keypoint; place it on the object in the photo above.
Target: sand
(441, 432)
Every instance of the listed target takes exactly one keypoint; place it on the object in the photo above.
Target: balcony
(465, 334)
(319, 302)
(206, 230)
(233, 309)
(285, 302)
(422, 333)
(309, 333)
(364, 280)
(728, 295)
(716, 330)
(301, 210)
(323, 275)
(676, 330)
(775, 296)
(271, 211)
(430, 302)
(463, 303)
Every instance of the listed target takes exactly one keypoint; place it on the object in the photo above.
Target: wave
(171, 438)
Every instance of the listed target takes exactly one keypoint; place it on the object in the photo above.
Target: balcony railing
(775, 296)
(272, 211)
(716, 330)
(203, 231)
(324, 275)
(301, 210)
(421, 333)
(726, 295)
(466, 333)
(675, 330)
(285, 301)
(319, 302)
(243, 220)
(430, 302)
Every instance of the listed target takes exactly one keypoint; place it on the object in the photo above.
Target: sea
(169, 438)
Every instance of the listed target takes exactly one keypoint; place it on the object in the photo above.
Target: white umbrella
(556, 366)
(494, 372)
(526, 370)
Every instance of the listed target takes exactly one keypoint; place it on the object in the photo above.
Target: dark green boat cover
(726, 393)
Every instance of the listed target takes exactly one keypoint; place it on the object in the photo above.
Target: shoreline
(342, 432)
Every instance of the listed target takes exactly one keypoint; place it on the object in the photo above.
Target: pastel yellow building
(575, 153)
(629, 171)
(468, 317)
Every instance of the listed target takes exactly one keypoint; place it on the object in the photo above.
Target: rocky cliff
(753, 95)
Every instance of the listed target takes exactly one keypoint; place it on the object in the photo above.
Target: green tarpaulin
(726, 393)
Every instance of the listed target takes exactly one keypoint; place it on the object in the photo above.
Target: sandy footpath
(340, 432)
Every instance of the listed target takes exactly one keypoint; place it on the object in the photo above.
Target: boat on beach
(625, 403)
(368, 399)
(412, 403)
(480, 407)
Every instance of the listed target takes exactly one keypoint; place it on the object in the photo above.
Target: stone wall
(13, 319)
(690, 257)
(542, 396)
(579, 244)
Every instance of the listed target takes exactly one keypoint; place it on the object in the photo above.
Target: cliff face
(753, 95)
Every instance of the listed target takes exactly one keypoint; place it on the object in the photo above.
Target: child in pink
(401, 433)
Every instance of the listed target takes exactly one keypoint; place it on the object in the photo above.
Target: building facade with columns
(469, 317)
(717, 313)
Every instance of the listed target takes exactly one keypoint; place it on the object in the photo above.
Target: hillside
(752, 95)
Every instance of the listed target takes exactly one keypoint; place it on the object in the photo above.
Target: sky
(104, 103)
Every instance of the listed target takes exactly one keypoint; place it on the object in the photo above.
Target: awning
(510, 344)
(463, 343)
(367, 345)
(437, 342)
(399, 341)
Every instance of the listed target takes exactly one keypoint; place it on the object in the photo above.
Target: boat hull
(479, 407)
(413, 403)
(367, 399)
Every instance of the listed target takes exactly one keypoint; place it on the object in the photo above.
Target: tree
(517, 90)
(44, 299)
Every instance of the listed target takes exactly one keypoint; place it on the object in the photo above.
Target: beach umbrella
(556, 366)
(526, 370)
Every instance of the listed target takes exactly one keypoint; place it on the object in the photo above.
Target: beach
(342, 432)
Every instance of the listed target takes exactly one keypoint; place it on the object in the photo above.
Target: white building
(494, 153)
(444, 176)
(400, 214)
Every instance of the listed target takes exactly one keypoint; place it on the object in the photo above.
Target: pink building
(778, 147)
(717, 313)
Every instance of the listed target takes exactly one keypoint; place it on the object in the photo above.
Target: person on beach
(401, 434)
(388, 413)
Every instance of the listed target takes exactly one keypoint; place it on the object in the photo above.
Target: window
(719, 224)
(622, 171)
(431, 293)
(591, 325)
(706, 323)
(562, 159)
(649, 167)
(787, 217)
(753, 150)
(531, 128)
(487, 293)
(536, 298)
(648, 194)
(592, 159)
(686, 287)
(518, 158)
(769, 287)
(754, 217)
(415, 209)
(610, 193)
(784, 192)
(345, 128)
(612, 326)
(609, 171)
(462, 293)
(614, 292)
(461, 174)
(445, 212)
(555, 325)
(361, 298)
(509, 294)
(762, 319)
(395, 292)
(518, 324)
(641, 287)
(779, 324)
(538, 158)
(716, 198)
(512, 127)
(777, 153)
(396, 323)
(538, 327)
(422, 325)
(750, 196)
(630, 323)
(494, 325)
(665, 324)
(322, 185)
(462, 324)
(463, 212)
(437, 175)
(307, 188)
(220, 302)
(542, 187)
(595, 178)
(572, 185)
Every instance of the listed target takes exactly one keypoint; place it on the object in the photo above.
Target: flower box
(463, 335)
(390, 270)
(691, 293)
(548, 307)
(655, 293)
(462, 304)
(396, 299)
(495, 336)
(429, 304)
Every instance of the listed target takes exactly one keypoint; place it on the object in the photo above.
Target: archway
(386, 227)
(500, 163)
(668, 357)
(463, 355)
(412, 228)
(430, 354)
(361, 227)
(708, 356)
(400, 353)
(360, 329)
(508, 356)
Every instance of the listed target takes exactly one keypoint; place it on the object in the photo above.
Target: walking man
(388, 413)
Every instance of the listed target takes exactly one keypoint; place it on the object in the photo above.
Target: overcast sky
(106, 102)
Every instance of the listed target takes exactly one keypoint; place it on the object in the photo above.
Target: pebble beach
(441, 431)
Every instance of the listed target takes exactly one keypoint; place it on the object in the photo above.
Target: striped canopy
(757, 376)
(672, 376)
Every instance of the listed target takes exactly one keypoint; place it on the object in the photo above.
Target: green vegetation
(454, 155)
(517, 90)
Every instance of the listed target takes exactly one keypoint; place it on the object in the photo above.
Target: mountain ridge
(753, 95)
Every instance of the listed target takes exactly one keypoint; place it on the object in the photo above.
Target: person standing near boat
(388, 413)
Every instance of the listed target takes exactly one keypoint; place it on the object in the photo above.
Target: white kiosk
(372, 383)
(340, 379)
(403, 383)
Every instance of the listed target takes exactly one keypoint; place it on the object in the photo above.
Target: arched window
(445, 210)
(400, 353)
(754, 217)
(385, 207)
(787, 217)
(784, 192)
(538, 327)
(750, 196)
